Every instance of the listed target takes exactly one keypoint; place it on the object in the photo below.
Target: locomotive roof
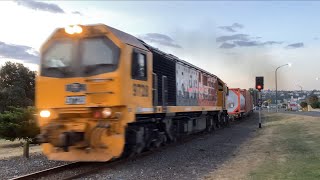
(132, 40)
(127, 38)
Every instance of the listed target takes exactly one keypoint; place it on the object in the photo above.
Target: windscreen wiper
(63, 70)
(90, 68)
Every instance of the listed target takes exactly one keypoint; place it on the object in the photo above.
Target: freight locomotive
(102, 93)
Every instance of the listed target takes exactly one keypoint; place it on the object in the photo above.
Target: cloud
(256, 43)
(272, 42)
(19, 52)
(77, 13)
(232, 28)
(42, 6)
(247, 43)
(242, 37)
(160, 39)
(243, 40)
(227, 45)
(316, 38)
(256, 37)
(295, 45)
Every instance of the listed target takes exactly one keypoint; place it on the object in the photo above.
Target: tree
(17, 121)
(313, 101)
(313, 98)
(17, 86)
(303, 104)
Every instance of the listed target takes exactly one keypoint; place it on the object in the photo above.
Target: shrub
(18, 123)
(315, 105)
(313, 99)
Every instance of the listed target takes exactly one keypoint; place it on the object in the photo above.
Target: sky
(235, 40)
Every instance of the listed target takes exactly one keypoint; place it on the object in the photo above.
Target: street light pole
(288, 64)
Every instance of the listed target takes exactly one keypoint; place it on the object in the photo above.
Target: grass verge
(294, 150)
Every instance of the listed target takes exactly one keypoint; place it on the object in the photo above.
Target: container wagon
(240, 103)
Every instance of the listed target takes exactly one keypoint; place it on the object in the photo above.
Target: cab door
(141, 75)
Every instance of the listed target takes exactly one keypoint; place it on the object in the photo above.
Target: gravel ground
(15, 148)
(17, 166)
(192, 160)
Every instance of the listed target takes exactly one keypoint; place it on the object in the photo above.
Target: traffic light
(259, 83)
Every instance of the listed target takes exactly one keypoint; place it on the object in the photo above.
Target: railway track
(82, 169)
(67, 171)
(77, 169)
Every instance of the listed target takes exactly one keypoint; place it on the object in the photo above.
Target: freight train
(102, 94)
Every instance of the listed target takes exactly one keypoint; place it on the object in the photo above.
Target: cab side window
(139, 66)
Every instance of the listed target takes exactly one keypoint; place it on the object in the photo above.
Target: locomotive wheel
(223, 120)
(210, 128)
(157, 143)
(217, 121)
(220, 121)
(150, 145)
(227, 121)
(211, 124)
(173, 132)
(164, 139)
(139, 148)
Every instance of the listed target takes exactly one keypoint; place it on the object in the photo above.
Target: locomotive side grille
(163, 66)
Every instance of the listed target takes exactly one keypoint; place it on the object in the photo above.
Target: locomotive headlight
(73, 29)
(77, 29)
(45, 113)
(106, 112)
(69, 30)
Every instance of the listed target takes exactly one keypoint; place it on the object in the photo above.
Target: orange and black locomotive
(102, 93)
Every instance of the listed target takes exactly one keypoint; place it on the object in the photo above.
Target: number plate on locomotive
(75, 100)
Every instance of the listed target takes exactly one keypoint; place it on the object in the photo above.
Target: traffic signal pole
(259, 87)
(259, 95)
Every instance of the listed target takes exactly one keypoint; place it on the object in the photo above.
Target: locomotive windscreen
(79, 57)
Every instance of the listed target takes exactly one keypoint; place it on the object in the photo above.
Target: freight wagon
(240, 103)
(116, 95)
